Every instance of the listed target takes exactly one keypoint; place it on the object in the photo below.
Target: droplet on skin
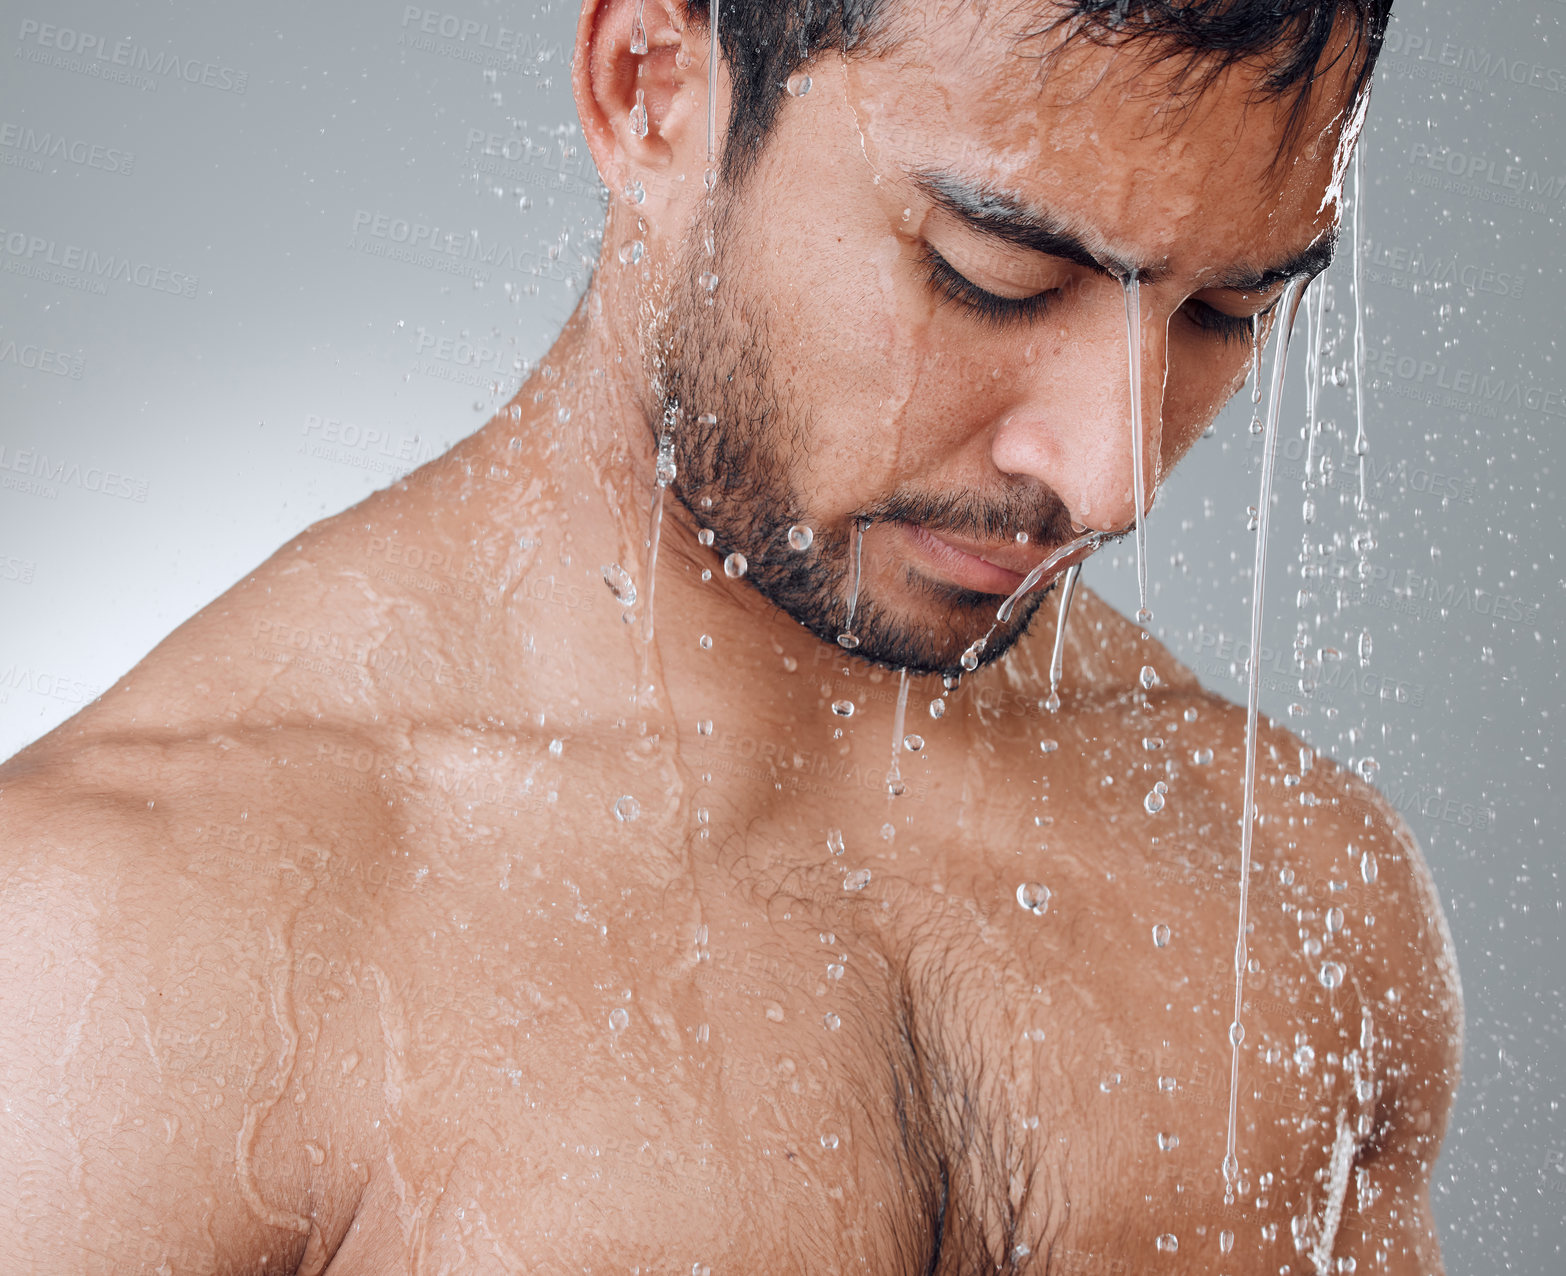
(1168, 1142)
(1048, 746)
(831, 1021)
(857, 880)
(937, 708)
(1201, 757)
(800, 538)
(619, 1017)
(620, 584)
(706, 642)
(913, 743)
(1149, 677)
(1367, 868)
(626, 808)
(1168, 1243)
(843, 708)
(1225, 1241)
(735, 566)
(1034, 896)
(834, 841)
(706, 536)
(1153, 803)
(704, 727)
(799, 84)
(1331, 974)
(556, 748)
(1161, 935)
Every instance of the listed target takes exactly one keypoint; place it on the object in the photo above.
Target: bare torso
(371, 927)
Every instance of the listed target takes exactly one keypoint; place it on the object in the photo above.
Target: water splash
(1090, 541)
(848, 640)
(1133, 291)
(1057, 657)
(894, 777)
(1287, 305)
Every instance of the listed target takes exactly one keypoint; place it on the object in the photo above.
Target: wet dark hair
(766, 41)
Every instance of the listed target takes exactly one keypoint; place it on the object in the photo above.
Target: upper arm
(145, 1047)
(1414, 1001)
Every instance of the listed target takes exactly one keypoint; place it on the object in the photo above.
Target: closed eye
(1227, 328)
(989, 308)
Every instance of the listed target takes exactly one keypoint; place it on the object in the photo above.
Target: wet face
(920, 326)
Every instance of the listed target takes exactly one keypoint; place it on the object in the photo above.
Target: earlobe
(629, 102)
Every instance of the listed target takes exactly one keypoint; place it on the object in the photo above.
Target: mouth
(985, 567)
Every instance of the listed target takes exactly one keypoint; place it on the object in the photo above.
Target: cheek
(1204, 374)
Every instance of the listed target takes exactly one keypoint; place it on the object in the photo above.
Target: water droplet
(1161, 935)
(665, 470)
(1153, 803)
(1034, 896)
(626, 808)
(1364, 647)
(829, 1141)
(1252, 519)
(704, 727)
(556, 748)
(735, 566)
(847, 641)
(1144, 618)
(1202, 757)
(631, 253)
(831, 1021)
(1304, 1056)
(1167, 1084)
(913, 743)
(969, 659)
(1225, 1241)
(706, 642)
(1368, 768)
(1236, 1033)
(706, 536)
(888, 832)
(1367, 867)
(1168, 1142)
(834, 970)
(1149, 677)
(1334, 920)
(835, 841)
(620, 584)
(1152, 743)
(619, 1017)
(1347, 1265)
(1109, 1082)
(843, 708)
(1168, 1243)
(857, 880)
(639, 114)
(708, 280)
(1052, 703)
(799, 84)
(937, 707)
(1331, 974)
(1231, 1168)
(800, 538)
(1048, 746)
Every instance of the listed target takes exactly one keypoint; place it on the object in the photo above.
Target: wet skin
(337, 947)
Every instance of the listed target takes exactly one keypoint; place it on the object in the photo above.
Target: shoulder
(152, 1044)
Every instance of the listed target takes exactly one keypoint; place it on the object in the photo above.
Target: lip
(985, 568)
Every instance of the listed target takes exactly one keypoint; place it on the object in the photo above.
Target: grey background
(274, 152)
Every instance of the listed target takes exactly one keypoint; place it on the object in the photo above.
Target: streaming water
(663, 476)
(1133, 290)
(1287, 305)
(712, 97)
(894, 777)
(639, 28)
(1057, 657)
(848, 640)
(1361, 443)
(1089, 541)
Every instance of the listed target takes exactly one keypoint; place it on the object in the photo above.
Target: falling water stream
(894, 776)
(1287, 304)
(848, 639)
(1361, 443)
(1057, 656)
(1133, 289)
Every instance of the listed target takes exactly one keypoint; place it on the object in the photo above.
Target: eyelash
(990, 309)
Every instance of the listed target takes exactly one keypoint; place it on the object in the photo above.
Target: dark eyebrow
(1000, 216)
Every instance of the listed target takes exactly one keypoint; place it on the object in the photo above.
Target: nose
(1070, 426)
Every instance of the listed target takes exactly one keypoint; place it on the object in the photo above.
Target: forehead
(1101, 136)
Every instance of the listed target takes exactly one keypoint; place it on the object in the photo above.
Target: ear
(606, 76)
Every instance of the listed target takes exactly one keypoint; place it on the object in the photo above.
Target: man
(446, 897)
